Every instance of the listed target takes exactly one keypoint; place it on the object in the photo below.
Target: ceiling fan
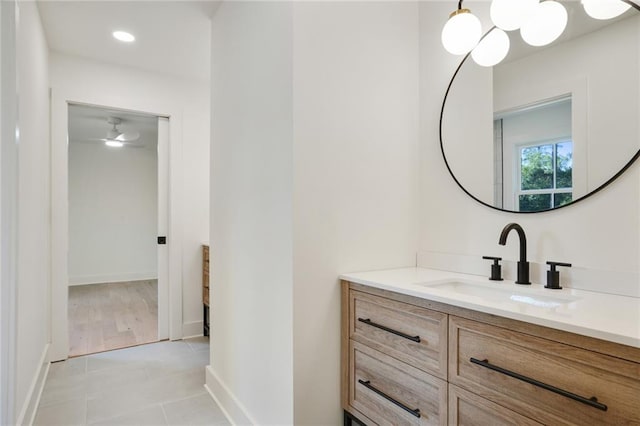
(116, 138)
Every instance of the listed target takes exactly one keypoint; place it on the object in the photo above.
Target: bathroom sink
(510, 293)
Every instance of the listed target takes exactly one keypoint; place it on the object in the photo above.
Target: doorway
(116, 208)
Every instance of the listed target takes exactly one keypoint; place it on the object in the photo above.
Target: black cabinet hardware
(390, 330)
(496, 268)
(593, 401)
(368, 385)
(162, 240)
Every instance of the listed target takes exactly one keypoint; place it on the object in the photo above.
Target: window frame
(551, 191)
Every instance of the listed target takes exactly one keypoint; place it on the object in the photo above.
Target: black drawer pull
(390, 330)
(368, 385)
(593, 401)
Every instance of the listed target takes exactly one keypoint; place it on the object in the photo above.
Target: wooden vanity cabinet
(499, 371)
(394, 361)
(545, 380)
(468, 409)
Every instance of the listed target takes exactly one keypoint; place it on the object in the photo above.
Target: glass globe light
(492, 49)
(546, 24)
(461, 32)
(605, 9)
(509, 15)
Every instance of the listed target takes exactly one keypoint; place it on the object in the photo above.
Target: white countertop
(603, 316)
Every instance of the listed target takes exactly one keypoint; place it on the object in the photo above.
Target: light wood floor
(112, 315)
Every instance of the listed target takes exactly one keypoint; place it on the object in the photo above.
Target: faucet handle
(496, 268)
(553, 276)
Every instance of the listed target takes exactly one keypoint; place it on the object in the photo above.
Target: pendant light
(492, 49)
(546, 23)
(605, 9)
(462, 31)
(509, 15)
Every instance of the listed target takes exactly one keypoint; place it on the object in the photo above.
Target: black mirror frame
(584, 197)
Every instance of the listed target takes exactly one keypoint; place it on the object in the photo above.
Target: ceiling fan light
(509, 15)
(547, 22)
(605, 9)
(114, 144)
(462, 32)
(124, 36)
(492, 49)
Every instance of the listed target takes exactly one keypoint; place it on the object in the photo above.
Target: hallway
(155, 384)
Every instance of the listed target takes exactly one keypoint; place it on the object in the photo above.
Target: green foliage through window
(545, 176)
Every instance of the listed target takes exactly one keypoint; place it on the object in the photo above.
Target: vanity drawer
(554, 383)
(409, 333)
(468, 409)
(391, 392)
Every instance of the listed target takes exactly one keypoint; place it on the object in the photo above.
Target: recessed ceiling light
(114, 144)
(124, 36)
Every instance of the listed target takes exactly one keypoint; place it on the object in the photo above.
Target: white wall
(33, 206)
(598, 236)
(315, 147)
(8, 210)
(187, 102)
(251, 212)
(355, 172)
(113, 213)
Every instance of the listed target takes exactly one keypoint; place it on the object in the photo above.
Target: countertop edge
(572, 327)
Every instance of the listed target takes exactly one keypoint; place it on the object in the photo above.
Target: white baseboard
(30, 406)
(233, 410)
(112, 278)
(192, 329)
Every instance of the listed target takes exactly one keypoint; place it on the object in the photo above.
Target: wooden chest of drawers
(205, 290)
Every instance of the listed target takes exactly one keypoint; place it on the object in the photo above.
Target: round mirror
(547, 126)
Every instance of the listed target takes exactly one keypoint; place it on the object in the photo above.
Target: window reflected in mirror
(534, 169)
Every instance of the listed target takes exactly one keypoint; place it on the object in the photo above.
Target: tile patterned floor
(156, 384)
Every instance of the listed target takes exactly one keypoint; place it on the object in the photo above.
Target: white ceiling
(172, 37)
(88, 124)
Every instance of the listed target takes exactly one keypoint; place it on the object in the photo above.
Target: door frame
(60, 99)
(8, 209)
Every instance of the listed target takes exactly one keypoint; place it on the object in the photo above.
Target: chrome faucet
(523, 265)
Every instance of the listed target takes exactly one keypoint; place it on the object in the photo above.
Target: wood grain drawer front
(468, 409)
(542, 379)
(205, 296)
(409, 333)
(391, 392)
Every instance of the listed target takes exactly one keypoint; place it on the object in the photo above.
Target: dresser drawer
(468, 409)
(205, 296)
(391, 392)
(412, 334)
(538, 378)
